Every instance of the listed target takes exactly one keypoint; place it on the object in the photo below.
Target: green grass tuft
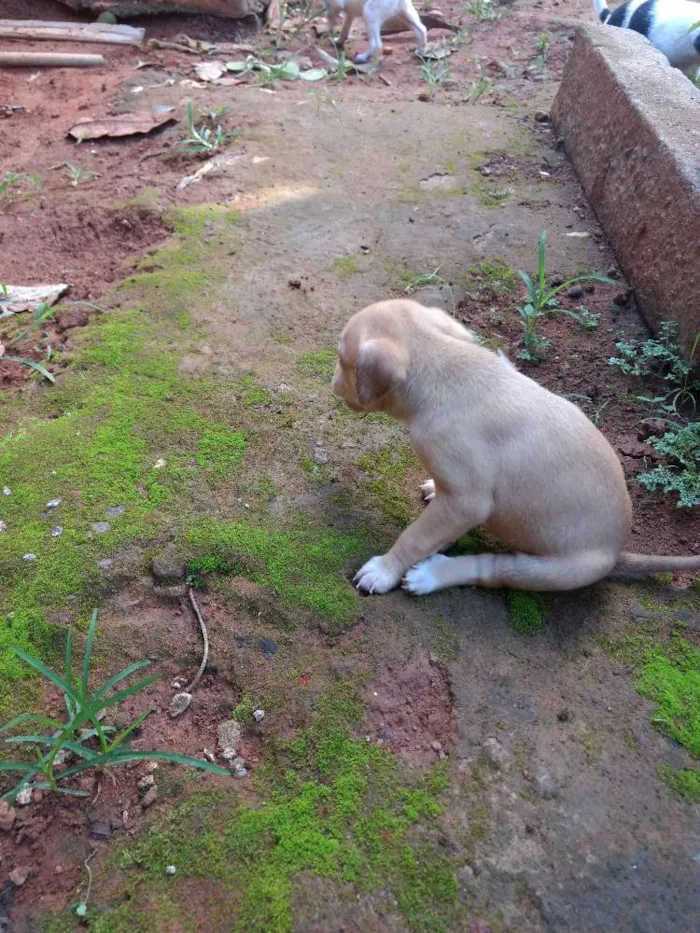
(320, 364)
(685, 782)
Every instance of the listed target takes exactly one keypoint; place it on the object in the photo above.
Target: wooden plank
(48, 59)
(71, 32)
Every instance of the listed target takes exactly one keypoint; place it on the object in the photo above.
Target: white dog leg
(419, 30)
(373, 23)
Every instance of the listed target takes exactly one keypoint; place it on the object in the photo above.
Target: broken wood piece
(17, 298)
(219, 162)
(48, 60)
(126, 124)
(71, 32)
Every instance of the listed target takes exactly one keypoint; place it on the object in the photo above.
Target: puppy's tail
(654, 563)
(601, 10)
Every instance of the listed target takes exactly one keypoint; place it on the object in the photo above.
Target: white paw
(375, 577)
(428, 489)
(424, 578)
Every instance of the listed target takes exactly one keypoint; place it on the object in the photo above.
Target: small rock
(150, 797)
(57, 531)
(100, 830)
(8, 815)
(151, 767)
(19, 876)
(575, 291)
(115, 511)
(179, 704)
(100, 528)
(168, 566)
(239, 768)
(436, 746)
(652, 428)
(107, 17)
(229, 734)
(496, 753)
(24, 797)
(105, 564)
(29, 557)
(228, 754)
(170, 870)
(159, 464)
(546, 786)
(541, 116)
(320, 455)
(53, 504)
(146, 782)
(37, 796)
(6, 491)
(622, 299)
(3, 527)
(209, 755)
(258, 715)
(175, 684)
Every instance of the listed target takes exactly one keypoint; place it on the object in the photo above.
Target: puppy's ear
(381, 365)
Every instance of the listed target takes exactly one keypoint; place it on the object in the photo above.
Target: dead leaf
(126, 124)
(28, 297)
(210, 71)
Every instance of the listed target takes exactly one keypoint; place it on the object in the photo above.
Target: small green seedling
(204, 138)
(436, 73)
(78, 175)
(12, 182)
(542, 48)
(482, 10)
(480, 85)
(541, 301)
(83, 734)
(41, 313)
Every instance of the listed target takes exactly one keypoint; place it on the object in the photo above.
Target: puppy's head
(373, 359)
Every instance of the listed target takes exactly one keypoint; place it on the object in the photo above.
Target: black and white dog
(667, 24)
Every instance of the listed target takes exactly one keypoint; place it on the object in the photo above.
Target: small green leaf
(313, 74)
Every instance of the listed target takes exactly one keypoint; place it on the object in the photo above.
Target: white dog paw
(376, 577)
(424, 577)
(428, 489)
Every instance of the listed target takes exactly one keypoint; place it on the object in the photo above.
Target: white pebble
(3, 527)
(29, 557)
(24, 797)
(53, 503)
(7, 491)
(259, 715)
(57, 532)
(159, 464)
(170, 869)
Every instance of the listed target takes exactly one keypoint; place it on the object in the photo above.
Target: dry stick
(71, 32)
(205, 639)
(59, 59)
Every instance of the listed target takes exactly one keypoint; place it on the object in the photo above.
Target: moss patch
(320, 364)
(527, 612)
(493, 279)
(685, 782)
(341, 810)
(668, 672)
(387, 488)
(303, 565)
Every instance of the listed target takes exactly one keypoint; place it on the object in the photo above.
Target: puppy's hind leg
(414, 21)
(516, 571)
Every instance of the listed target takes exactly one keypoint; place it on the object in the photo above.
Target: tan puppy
(375, 13)
(503, 452)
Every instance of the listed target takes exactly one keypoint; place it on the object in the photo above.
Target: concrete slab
(631, 126)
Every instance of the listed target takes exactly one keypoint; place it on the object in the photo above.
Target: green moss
(668, 672)
(341, 810)
(345, 266)
(527, 612)
(387, 490)
(221, 449)
(190, 222)
(494, 278)
(320, 364)
(303, 565)
(685, 782)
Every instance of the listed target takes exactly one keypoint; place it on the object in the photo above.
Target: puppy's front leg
(444, 520)
(373, 16)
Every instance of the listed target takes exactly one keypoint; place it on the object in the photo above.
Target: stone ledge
(631, 126)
